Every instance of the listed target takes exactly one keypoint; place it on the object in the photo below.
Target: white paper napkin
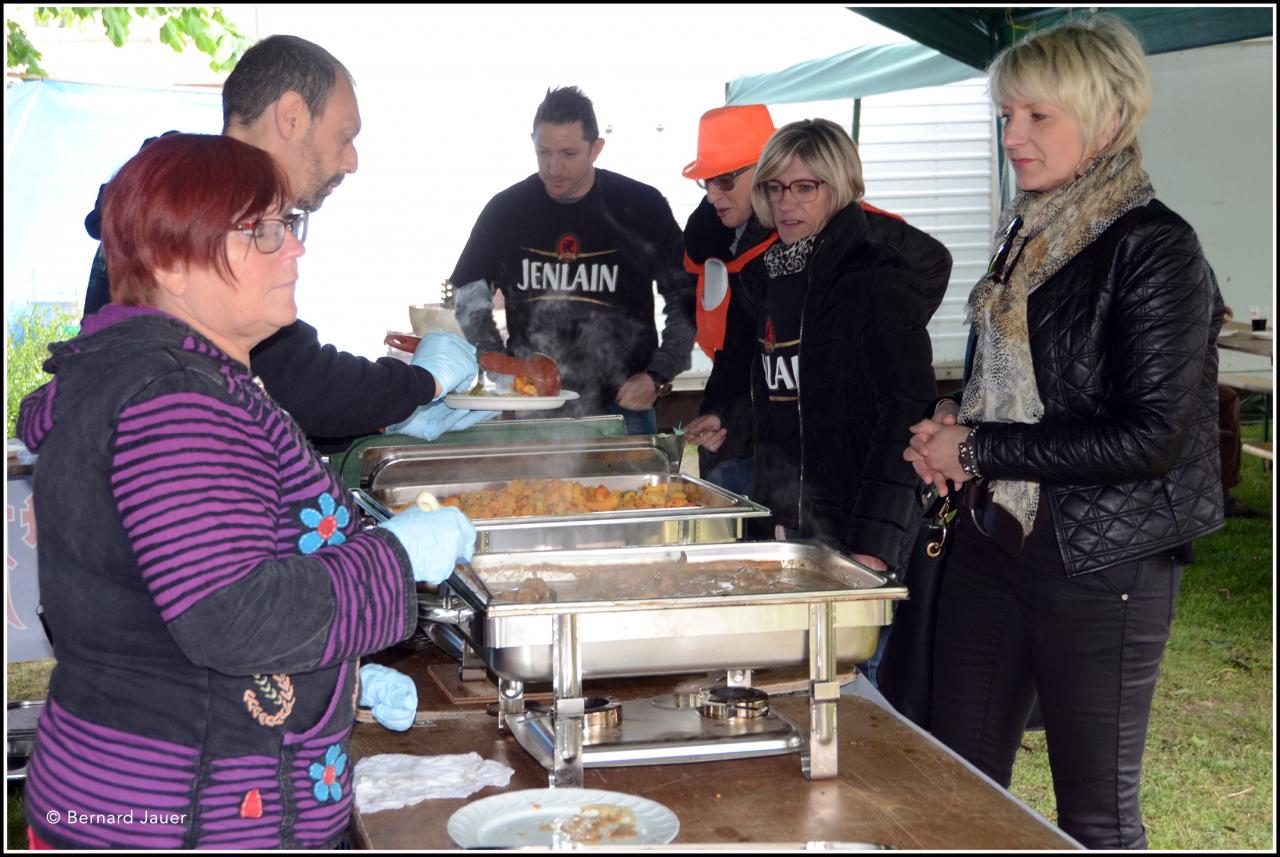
(393, 780)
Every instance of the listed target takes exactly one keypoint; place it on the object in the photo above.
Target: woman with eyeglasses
(206, 585)
(1085, 438)
(826, 338)
(723, 236)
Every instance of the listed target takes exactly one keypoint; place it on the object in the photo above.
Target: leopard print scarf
(1057, 226)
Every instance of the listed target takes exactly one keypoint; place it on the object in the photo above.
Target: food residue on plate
(594, 823)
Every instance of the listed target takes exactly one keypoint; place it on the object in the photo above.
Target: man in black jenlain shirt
(575, 251)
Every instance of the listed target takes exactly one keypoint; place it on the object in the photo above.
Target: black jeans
(1090, 646)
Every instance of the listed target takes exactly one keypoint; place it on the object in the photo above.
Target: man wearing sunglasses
(723, 235)
(296, 101)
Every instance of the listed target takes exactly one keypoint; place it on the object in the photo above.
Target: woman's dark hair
(173, 204)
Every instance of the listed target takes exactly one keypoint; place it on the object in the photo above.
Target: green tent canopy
(958, 44)
(975, 36)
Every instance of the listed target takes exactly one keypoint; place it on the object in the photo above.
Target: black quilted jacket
(1124, 342)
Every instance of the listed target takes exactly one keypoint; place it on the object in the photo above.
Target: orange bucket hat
(730, 138)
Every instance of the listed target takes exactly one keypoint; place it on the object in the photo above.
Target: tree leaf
(170, 35)
(116, 20)
(21, 53)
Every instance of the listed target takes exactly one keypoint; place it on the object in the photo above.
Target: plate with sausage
(489, 400)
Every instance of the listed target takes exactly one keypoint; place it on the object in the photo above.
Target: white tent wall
(1209, 146)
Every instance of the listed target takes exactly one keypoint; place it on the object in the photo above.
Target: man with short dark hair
(575, 251)
(293, 99)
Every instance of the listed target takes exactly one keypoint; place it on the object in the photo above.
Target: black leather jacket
(1124, 343)
(867, 370)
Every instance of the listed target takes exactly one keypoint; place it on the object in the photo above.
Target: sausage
(539, 368)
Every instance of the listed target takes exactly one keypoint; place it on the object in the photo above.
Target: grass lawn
(1208, 777)
(1208, 773)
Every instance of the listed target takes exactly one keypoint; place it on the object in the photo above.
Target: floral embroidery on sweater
(325, 525)
(326, 776)
(283, 699)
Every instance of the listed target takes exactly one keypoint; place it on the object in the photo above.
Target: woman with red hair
(206, 584)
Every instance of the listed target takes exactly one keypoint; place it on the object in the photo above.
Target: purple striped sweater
(208, 590)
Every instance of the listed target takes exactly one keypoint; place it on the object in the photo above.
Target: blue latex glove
(450, 359)
(430, 421)
(433, 540)
(392, 696)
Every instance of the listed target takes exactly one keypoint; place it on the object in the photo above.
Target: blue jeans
(732, 474)
(638, 422)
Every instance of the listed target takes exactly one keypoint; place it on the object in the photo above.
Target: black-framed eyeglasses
(804, 190)
(996, 267)
(268, 232)
(724, 182)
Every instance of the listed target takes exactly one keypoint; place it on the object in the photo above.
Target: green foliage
(21, 53)
(27, 348)
(206, 26)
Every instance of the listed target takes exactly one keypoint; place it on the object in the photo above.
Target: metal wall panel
(929, 155)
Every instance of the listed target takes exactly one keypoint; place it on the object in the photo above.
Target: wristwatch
(969, 455)
(663, 385)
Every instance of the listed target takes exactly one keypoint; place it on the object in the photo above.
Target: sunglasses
(996, 267)
(724, 183)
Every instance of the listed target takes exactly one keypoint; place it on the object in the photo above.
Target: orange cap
(730, 138)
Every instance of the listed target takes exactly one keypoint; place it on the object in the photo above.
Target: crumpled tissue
(393, 780)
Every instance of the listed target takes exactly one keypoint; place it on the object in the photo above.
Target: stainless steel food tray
(390, 466)
(718, 518)
(666, 635)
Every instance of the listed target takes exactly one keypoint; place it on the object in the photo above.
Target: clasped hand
(934, 449)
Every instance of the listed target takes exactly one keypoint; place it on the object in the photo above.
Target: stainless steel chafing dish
(815, 607)
(393, 476)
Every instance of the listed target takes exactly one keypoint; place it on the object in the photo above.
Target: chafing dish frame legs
(570, 705)
(510, 701)
(819, 759)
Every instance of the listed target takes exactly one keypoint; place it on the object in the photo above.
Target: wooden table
(896, 785)
(1242, 339)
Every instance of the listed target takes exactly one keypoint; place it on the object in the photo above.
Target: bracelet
(969, 455)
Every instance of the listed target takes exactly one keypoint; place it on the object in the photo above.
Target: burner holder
(734, 703)
(601, 713)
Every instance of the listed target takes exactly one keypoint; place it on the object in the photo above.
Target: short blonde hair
(826, 149)
(1093, 68)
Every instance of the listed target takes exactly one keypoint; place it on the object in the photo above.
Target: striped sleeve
(207, 494)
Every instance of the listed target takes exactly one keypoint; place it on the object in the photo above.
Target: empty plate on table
(550, 817)
(508, 402)
(1264, 334)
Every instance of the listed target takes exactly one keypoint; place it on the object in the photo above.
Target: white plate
(512, 402)
(538, 817)
(1227, 331)
(1263, 334)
